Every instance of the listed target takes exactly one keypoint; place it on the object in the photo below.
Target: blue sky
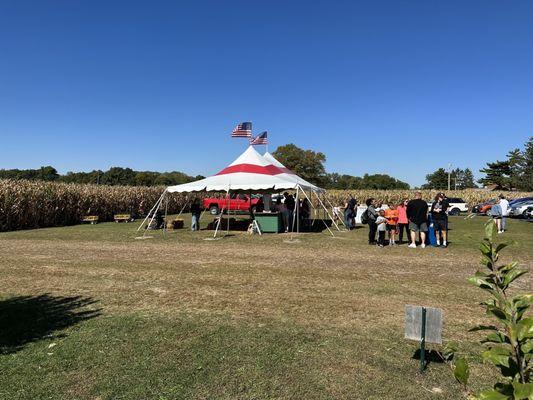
(396, 87)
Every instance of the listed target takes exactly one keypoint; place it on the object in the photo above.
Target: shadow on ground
(26, 319)
(430, 356)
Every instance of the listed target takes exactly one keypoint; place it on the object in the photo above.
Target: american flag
(260, 139)
(244, 129)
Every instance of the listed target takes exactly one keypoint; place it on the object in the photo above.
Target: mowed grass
(90, 312)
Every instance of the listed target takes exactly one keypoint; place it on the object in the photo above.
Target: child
(381, 222)
(392, 221)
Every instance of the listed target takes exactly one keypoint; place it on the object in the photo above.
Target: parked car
(456, 205)
(483, 208)
(519, 200)
(529, 213)
(520, 208)
(235, 202)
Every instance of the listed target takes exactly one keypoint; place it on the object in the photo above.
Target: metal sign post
(423, 324)
(423, 342)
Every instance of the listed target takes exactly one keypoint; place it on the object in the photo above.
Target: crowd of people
(410, 219)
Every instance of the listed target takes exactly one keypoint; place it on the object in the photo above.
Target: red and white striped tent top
(250, 171)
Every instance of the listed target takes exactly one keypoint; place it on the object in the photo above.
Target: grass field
(89, 312)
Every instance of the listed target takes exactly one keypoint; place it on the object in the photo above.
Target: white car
(456, 205)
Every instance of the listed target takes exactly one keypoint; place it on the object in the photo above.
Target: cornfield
(33, 204)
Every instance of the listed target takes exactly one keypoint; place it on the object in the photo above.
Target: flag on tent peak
(244, 129)
(260, 139)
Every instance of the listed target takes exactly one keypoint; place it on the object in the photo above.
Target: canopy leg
(155, 212)
(218, 222)
(150, 212)
(326, 225)
(331, 205)
(166, 213)
(295, 212)
(326, 210)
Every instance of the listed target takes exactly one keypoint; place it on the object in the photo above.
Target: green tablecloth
(269, 222)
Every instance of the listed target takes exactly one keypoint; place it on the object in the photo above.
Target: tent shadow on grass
(26, 319)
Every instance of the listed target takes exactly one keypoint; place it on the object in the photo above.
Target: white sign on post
(413, 324)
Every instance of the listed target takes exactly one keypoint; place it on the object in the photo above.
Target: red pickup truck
(235, 202)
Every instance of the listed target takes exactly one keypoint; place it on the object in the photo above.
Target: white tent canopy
(250, 171)
(288, 174)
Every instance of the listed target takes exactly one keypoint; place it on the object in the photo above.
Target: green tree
(496, 173)
(516, 168)
(526, 183)
(436, 180)
(306, 163)
(382, 182)
(118, 176)
(465, 179)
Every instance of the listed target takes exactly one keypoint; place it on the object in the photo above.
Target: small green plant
(509, 341)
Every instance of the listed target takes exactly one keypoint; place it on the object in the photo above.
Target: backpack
(364, 217)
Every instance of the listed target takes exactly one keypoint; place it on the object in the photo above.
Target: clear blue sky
(396, 87)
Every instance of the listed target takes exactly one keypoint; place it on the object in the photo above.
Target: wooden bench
(122, 217)
(92, 219)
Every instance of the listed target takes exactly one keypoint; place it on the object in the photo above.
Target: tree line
(515, 173)
(458, 179)
(113, 176)
(309, 165)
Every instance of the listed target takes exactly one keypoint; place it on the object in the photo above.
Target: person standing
(372, 215)
(381, 223)
(349, 212)
(440, 219)
(289, 204)
(391, 215)
(403, 222)
(196, 211)
(417, 211)
(504, 204)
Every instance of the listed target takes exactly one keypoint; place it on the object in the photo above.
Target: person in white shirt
(504, 204)
(381, 223)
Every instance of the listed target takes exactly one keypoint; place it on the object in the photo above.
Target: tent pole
(150, 212)
(185, 205)
(229, 203)
(326, 210)
(218, 222)
(155, 212)
(295, 212)
(326, 225)
(331, 205)
(166, 213)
